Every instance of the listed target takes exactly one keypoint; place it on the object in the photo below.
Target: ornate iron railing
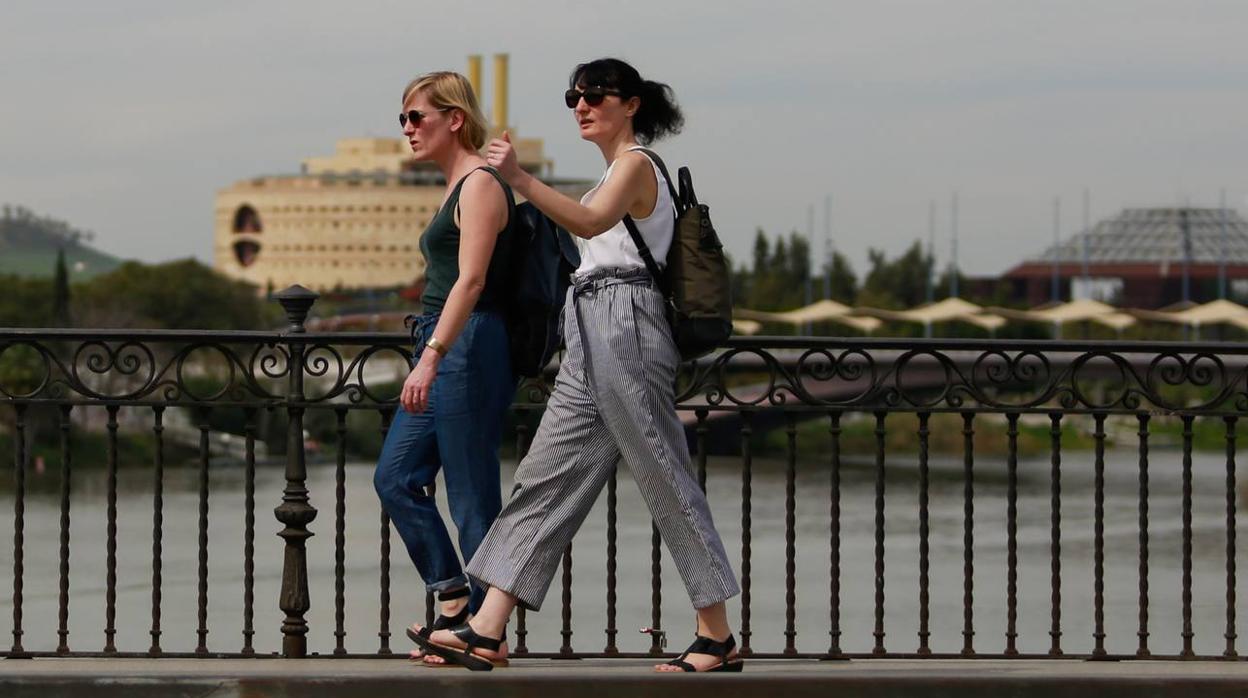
(751, 385)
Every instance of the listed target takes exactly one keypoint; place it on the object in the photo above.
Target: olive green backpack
(695, 281)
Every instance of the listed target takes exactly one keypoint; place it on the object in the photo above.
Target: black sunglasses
(415, 116)
(593, 96)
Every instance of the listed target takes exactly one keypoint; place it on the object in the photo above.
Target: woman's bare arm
(483, 213)
(632, 181)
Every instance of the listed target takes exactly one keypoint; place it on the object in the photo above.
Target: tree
(901, 283)
(771, 287)
(176, 295)
(25, 302)
(762, 251)
(798, 266)
(777, 280)
(60, 291)
(839, 279)
(779, 262)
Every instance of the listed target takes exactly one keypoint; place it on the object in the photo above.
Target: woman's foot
(705, 654)
(450, 639)
(419, 655)
(451, 612)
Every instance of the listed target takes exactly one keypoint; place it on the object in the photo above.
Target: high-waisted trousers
(613, 397)
(459, 434)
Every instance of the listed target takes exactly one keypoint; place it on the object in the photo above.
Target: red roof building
(1143, 258)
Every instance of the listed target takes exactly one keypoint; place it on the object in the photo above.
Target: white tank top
(615, 247)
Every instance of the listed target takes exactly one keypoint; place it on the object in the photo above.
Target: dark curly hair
(657, 117)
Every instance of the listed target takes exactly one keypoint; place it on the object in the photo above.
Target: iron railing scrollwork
(854, 387)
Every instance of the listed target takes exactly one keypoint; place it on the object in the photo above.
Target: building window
(246, 220)
(245, 251)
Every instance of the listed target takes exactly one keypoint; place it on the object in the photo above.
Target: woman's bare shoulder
(482, 186)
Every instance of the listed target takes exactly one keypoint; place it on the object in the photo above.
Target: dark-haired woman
(456, 396)
(613, 396)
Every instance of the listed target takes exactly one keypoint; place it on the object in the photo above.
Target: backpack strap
(642, 248)
(646, 255)
(658, 161)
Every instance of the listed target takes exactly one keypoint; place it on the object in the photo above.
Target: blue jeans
(459, 433)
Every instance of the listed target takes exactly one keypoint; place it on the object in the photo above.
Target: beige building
(353, 219)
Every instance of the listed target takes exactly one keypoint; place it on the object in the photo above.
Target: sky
(125, 118)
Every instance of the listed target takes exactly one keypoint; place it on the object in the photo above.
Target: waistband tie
(602, 277)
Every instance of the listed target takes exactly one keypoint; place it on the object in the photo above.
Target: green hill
(28, 246)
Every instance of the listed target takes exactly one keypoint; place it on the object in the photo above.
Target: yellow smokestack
(500, 91)
(474, 74)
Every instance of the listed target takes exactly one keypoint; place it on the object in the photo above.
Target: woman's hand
(502, 156)
(415, 394)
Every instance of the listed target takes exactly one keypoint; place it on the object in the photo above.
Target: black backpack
(543, 259)
(696, 281)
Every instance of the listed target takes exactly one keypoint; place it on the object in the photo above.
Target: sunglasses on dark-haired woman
(593, 96)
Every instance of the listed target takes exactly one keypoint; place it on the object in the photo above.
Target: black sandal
(705, 645)
(465, 656)
(442, 622)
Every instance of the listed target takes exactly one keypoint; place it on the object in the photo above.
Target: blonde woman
(454, 399)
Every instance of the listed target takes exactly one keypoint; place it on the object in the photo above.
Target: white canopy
(1083, 310)
(1211, 313)
(742, 326)
(947, 310)
(819, 311)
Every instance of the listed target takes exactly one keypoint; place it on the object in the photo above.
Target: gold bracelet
(436, 345)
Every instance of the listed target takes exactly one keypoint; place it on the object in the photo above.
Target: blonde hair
(449, 90)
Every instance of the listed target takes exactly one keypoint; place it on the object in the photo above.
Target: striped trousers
(613, 397)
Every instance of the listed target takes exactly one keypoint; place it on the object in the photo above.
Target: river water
(179, 614)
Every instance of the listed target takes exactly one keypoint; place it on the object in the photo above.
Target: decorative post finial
(296, 301)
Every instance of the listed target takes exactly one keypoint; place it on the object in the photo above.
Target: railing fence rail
(963, 394)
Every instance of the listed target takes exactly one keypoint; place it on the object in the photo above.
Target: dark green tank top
(440, 245)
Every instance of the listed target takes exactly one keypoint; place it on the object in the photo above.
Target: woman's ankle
(488, 627)
(452, 607)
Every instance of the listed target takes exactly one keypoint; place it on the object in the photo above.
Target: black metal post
(295, 512)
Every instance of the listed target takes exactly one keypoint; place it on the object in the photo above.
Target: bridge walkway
(607, 678)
